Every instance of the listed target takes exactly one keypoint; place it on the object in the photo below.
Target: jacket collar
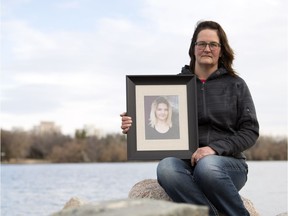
(219, 72)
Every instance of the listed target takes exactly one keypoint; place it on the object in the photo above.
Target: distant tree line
(59, 148)
(268, 148)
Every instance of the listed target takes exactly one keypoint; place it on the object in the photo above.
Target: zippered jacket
(227, 120)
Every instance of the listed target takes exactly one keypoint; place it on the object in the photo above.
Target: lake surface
(42, 189)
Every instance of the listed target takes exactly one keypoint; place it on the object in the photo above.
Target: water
(42, 189)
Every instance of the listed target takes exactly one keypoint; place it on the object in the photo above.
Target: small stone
(74, 202)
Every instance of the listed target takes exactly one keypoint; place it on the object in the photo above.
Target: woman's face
(162, 111)
(205, 56)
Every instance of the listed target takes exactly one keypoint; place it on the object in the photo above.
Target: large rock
(130, 207)
(150, 188)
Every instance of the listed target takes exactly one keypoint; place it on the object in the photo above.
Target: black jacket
(227, 119)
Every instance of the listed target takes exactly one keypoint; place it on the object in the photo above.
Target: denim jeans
(214, 181)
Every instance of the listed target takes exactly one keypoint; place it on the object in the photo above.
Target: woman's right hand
(126, 122)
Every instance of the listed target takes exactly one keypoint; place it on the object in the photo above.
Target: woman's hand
(126, 122)
(200, 153)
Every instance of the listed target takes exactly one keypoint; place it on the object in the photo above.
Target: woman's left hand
(200, 153)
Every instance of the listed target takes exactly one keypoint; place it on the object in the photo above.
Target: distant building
(17, 129)
(91, 131)
(46, 127)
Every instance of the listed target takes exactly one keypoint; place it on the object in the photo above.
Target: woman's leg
(214, 182)
(220, 178)
(176, 177)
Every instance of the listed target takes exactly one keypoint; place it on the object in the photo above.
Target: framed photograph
(164, 114)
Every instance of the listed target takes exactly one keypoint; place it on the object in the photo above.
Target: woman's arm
(247, 128)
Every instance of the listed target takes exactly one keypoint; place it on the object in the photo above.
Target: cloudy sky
(66, 60)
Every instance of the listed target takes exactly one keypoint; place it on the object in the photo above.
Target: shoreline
(41, 161)
(26, 161)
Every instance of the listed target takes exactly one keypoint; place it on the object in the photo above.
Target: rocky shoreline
(146, 198)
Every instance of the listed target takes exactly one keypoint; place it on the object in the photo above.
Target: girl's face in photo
(162, 111)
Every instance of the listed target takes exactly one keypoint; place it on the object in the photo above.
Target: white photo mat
(163, 144)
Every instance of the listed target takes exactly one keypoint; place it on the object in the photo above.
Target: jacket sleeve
(247, 128)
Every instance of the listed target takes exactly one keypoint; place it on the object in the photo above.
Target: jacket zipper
(204, 99)
(205, 110)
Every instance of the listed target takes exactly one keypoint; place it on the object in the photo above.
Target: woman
(160, 121)
(227, 125)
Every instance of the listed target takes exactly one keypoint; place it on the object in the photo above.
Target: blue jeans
(214, 182)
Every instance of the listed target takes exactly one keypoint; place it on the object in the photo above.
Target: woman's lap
(214, 181)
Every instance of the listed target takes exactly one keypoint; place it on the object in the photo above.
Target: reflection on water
(42, 189)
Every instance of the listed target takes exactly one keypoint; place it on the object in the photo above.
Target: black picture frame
(140, 90)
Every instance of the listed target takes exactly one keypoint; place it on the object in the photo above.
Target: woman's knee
(208, 169)
(166, 165)
(168, 168)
